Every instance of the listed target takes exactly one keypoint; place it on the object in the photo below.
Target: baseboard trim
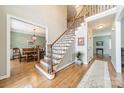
(64, 66)
(85, 63)
(3, 77)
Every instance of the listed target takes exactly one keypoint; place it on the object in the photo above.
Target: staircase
(57, 50)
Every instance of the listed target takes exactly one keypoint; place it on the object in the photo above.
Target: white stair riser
(45, 64)
(59, 52)
(66, 40)
(61, 45)
(56, 56)
(62, 48)
(49, 76)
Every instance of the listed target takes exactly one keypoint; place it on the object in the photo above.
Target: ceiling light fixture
(100, 26)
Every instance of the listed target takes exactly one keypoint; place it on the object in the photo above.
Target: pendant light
(34, 36)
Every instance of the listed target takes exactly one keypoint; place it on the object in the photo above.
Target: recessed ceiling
(102, 23)
(23, 27)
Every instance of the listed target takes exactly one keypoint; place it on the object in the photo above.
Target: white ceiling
(106, 22)
(23, 27)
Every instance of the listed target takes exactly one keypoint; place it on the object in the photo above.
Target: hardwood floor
(25, 75)
(116, 78)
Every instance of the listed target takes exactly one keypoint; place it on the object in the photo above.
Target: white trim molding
(102, 14)
(8, 16)
(118, 45)
(3, 77)
(64, 66)
(120, 12)
(108, 34)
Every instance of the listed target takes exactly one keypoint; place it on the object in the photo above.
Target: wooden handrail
(51, 63)
(61, 35)
(74, 19)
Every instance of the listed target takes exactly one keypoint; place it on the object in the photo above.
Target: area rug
(97, 76)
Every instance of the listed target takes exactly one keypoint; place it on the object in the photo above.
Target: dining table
(34, 54)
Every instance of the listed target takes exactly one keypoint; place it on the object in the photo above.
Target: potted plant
(79, 57)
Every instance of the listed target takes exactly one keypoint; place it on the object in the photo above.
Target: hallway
(113, 75)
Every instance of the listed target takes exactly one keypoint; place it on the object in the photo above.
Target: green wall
(122, 32)
(105, 46)
(19, 40)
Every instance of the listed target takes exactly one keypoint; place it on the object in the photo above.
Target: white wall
(90, 44)
(113, 52)
(81, 32)
(116, 46)
(102, 32)
(54, 17)
(2, 43)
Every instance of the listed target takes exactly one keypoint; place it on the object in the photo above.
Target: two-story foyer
(66, 46)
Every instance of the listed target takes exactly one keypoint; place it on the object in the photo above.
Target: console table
(122, 51)
(99, 49)
(122, 56)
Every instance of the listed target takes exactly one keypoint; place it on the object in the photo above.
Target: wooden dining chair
(16, 53)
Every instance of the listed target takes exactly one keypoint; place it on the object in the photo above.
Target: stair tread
(43, 67)
(47, 62)
(59, 45)
(55, 58)
(66, 40)
(60, 49)
(40, 66)
(60, 53)
(63, 42)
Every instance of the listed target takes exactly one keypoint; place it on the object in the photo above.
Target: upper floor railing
(89, 10)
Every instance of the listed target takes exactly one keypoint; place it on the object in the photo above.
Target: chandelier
(34, 38)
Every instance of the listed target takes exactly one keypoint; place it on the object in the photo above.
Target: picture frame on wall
(99, 43)
(80, 41)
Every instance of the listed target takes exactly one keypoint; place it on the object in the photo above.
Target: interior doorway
(100, 37)
(102, 45)
(122, 44)
(27, 43)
